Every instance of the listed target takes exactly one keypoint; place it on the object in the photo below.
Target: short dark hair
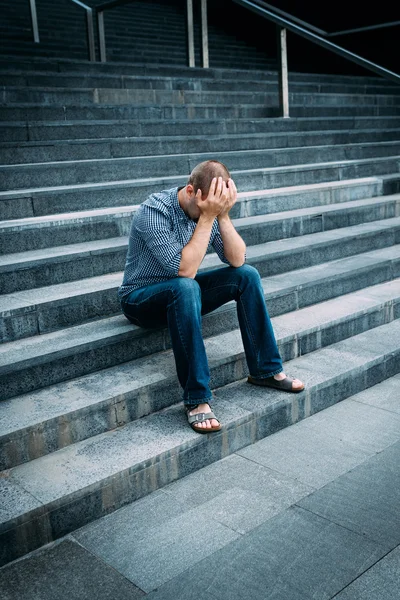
(203, 174)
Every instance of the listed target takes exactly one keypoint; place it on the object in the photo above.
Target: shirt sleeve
(156, 231)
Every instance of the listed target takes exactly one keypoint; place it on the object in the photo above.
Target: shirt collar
(179, 210)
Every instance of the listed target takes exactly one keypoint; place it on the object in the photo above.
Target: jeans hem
(267, 376)
(196, 401)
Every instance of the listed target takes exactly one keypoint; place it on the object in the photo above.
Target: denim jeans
(179, 303)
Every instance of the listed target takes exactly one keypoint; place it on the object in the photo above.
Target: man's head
(203, 174)
(200, 179)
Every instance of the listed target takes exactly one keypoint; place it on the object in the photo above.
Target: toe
(297, 384)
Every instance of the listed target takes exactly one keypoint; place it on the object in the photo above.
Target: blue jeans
(179, 303)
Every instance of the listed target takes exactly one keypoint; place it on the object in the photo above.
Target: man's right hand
(216, 201)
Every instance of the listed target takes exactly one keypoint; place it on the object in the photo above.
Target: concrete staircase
(90, 417)
(144, 31)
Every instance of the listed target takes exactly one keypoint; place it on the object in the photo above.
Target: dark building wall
(381, 46)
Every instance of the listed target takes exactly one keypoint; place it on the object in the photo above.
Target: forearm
(194, 252)
(234, 246)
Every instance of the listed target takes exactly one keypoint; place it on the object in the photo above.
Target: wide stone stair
(143, 31)
(90, 413)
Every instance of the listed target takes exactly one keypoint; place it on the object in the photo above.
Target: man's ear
(189, 189)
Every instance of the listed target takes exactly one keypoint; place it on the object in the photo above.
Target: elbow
(187, 273)
(237, 264)
(237, 261)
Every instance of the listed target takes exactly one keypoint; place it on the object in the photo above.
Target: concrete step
(68, 130)
(41, 310)
(130, 55)
(57, 199)
(49, 358)
(50, 266)
(12, 63)
(126, 50)
(97, 95)
(252, 216)
(39, 112)
(62, 491)
(22, 176)
(44, 421)
(116, 81)
(39, 152)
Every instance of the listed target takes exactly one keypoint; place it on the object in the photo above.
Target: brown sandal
(285, 385)
(200, 418)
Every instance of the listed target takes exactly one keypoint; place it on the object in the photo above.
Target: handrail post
(283, 73)
(35, 27)
(102, 36)
(204, 34)
(90, 34)
(190, 32)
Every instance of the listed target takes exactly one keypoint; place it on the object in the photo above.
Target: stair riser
(37, 153)
(14, 177)
(111, 226)
(47, 523)
(90, 264)
(74, 268)
(64, 131)
(138, 343)
(195, 84)
(28, 444)
(160, 97)
(39, 203)
(72, 66)
(67, 113)
(21, 323)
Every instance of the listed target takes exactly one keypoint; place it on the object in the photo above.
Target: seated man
(169, 237)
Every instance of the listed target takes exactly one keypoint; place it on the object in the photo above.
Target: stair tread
(123, 211)
(66, 475)
(25, 259)
(167, 179)
(198, 137)
(36, 407)
(38, 349)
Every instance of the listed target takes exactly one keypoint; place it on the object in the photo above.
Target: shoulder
(161, 201)
(158, 207)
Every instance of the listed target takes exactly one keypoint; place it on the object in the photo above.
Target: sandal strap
(200, 417)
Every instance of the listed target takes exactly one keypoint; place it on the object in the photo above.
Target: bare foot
(296, 385)
(209, 423)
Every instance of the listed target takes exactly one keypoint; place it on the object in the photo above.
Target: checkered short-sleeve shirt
(160, 230)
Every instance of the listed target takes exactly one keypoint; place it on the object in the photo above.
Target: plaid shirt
(160, 230)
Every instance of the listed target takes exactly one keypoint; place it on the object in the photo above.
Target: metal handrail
(35, 28)
(309, 35)
(360, 29)
(100, 23)
(190, 28)
(90, 28)
(319, 31)
(291, 17)
(89, 23)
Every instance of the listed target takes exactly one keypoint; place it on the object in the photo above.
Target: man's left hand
(231, 199)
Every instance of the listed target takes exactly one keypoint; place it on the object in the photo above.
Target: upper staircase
(90, 413)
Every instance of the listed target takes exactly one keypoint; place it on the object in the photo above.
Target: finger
(213, 186)
(220, 186)
(232, 190)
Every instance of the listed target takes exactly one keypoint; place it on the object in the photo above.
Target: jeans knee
(249, 274)
(187, 290)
